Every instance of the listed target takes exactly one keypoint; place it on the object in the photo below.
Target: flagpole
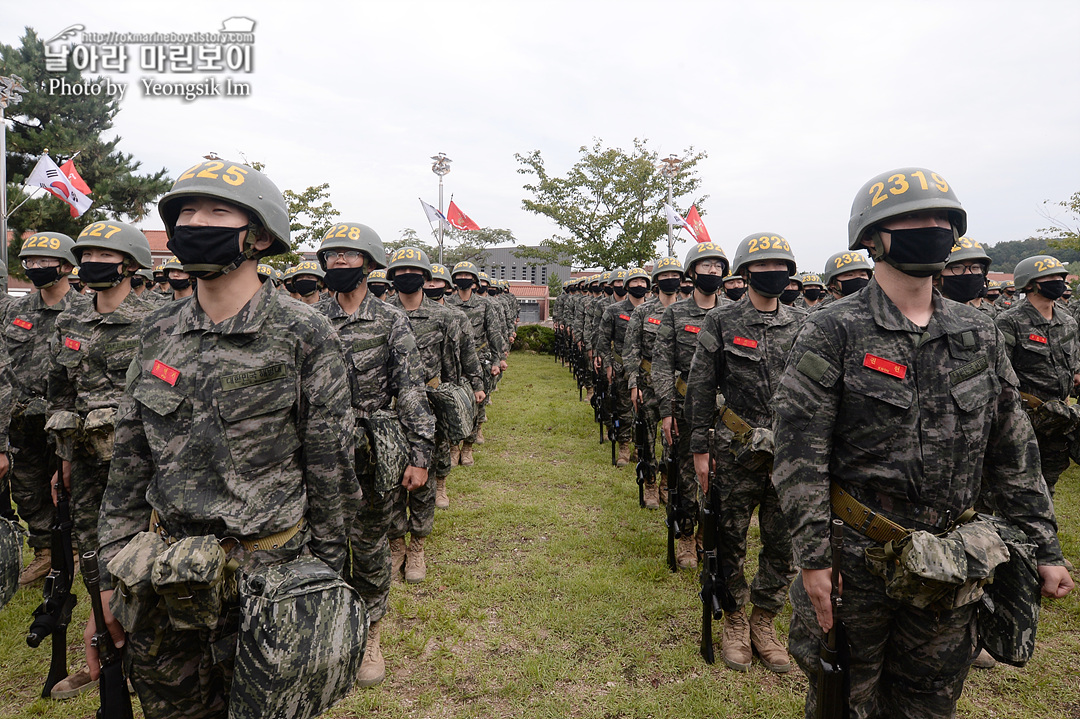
(10, 89)
(441, 168)
(669, 168)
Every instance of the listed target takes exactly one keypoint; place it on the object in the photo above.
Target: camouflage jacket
(577, 319)
(29, 329)
(438, 333)
(468, 362)
(384, 365)
(639, 341)
(907, 420)
(612, 333)
(486, 326)
(676, 342)
(7, 397)
(594, 312)
(741, 354)
(237, 429)
(1045, 353)
(988, 309)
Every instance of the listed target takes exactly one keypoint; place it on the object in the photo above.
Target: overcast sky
(796, 103)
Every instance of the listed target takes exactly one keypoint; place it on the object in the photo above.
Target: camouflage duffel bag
(455, 410)
(11, 549)
(302, 636)
(1009, 613)
(386, 438)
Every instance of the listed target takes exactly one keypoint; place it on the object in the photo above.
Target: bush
(536, 338)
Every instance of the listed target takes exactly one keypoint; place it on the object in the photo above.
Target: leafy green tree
(1005, 255)
(458, 245)
(609, 205)
(554, 285)
(1063, 233)
(66, 124)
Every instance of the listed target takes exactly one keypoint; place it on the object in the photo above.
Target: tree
(458, 245)
(1005, 255)
(609, 204)
(1062, 233)
(66, 124)
(554, 285)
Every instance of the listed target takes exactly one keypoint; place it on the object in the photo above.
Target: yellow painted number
(42, 242)
(234, 175)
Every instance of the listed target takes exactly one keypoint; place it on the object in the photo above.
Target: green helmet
(309, 267)
(605, 278)
(763, 246)
(239, 185)
(49, 244)
(898, 192)
(483, 276)
(994, 285)
(74, 275)
(1008, 284)
(467, 268)
(797, 279)
(666, 264)
(439, 272)
(377, 277)
(618, 275)
(171, 264)
(843, 262)
(1034, 268)
(118, 237)
(968, 249)
(638, 273)
(410, 257)
(809, 279)
(266, 272)
(353, 236)
(279, 276)
(705, 251)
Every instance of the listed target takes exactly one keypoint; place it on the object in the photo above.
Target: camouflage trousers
(904, 661)
(368, 568)
(624, 409)
(441, 457)
(88, 480)
(740, 491)
(413, 512)
(1054, 455)
(32, 463)
(648, 406)
(689, 489)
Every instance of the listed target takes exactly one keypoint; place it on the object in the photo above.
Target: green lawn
(548, 596)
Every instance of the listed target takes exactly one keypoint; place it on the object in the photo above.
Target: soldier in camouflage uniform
(377, 284)
(590, 291)
(676, 341)
(845, 274)
(638, 356)
(1008, 295)
(741, 352)
(29, 328)
(595, 310)
(1041, 342)
(813, 291)
(385, 368)
(904, 410)
(612, 337)
(964, 276)
(308, 281)
(993, 291)
(181, 284)
(11, 532)
(235, 425)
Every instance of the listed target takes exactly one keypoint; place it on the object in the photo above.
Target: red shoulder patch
(72, 344)
(1037, 338)
(624, 317)
(653, 320)
(19, 322)
(692, 328)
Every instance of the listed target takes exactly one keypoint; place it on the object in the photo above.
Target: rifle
(600, 401)
(673, 530)
(54, 613)
(613, 419)
(833, 683)
(716, 598)
(115, 700)
(646, 472)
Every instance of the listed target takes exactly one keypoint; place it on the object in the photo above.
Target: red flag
(68, 168)
(693, 219)
(459, 219)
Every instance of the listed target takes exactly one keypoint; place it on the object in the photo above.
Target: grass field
(548, 597)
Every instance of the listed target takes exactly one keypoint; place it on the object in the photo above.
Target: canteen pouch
(11, 549)
(64, 426)
(455, 410)
(98, 432)
(134, 597)
(302, 636)
(753, 450)
(389, 447)
(1009, 613)
(190, 575)
(940, 572)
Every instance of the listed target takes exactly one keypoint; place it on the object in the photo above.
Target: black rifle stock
(833, 681)
(613, 419)
(674, 532)
(716, 597)
(646, 471)
(54, 613)
(115, 700)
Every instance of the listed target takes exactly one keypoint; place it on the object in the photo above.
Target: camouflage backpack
(11, 548)
(302, 638)
(455, 410)
(389, 449)
(1009, 613)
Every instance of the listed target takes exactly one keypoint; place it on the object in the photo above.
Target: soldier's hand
(495, 370)
(701, 469)
(597, 363)
(818, 585)
(5, 464)
(502, 364)
(480, 396)
(635, 396)
(115, 630)
(670, 429)
(414, 478)
(65, 472)
(1056, 581)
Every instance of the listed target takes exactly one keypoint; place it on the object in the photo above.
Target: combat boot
(73, 685)
(763, 638)
(455, 455)
(983, 660)
(466, 454)
(663, 493)
(624, 454)
(652, 496)
(373, 668)
(479, 434)
(589, 394)
(736, 652)
(397, 558)
(685, 554)
(415, 566)
(37, 568)
(442, 500)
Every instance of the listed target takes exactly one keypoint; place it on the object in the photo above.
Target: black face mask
(620, 292)
(209, 251)
(708, 284)
(43, 276)
(921, 252)
(378, 289)
(435, 293)
(789, 296)
(962, 288)
(408, 283)
(813, 293)
(100, 275)
(464, 283)
(637, 291)
(734, 293)
(686, 289)
(1051, 289)
(180, 284)
(993, 297)
(137, 281)
(771, 283)
(306, 288)
(609, 290)
(669, 285)
(343, 279)
(853, 285)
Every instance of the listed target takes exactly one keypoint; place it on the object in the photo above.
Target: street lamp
(669, 168)
(440, 168)
(10, 89)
